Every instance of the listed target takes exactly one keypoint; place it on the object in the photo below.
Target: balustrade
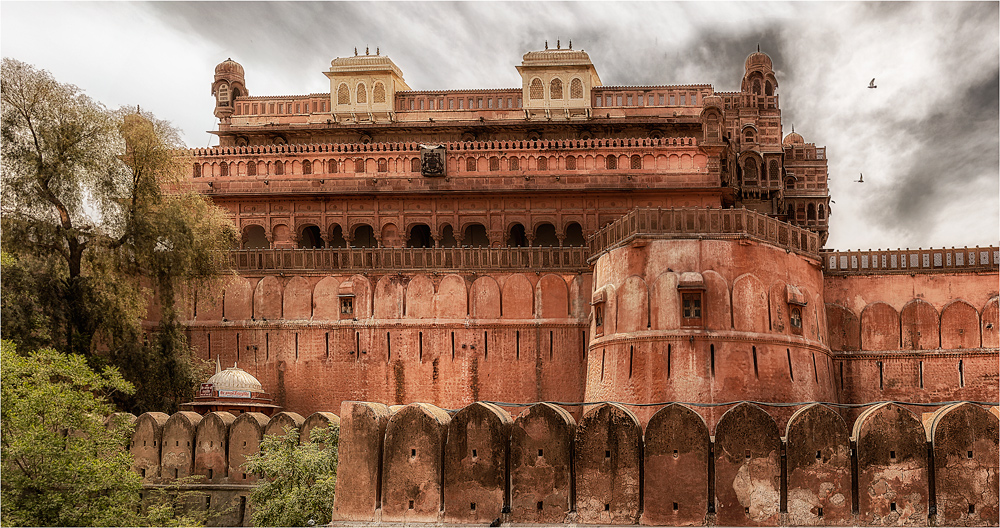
(911, 260)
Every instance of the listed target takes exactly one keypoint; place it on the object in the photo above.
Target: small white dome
(235, 378)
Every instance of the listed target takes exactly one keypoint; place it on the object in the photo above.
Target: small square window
(347, 305)
(691, 305)
(599, 315)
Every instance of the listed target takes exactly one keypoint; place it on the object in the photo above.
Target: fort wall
(749, 472)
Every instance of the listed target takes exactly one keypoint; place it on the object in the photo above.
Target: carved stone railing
(722, 224)
(911, 260)
(572, 259)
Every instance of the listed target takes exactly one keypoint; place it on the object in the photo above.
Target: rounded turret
(229, 84)
(758, 61)
(792, 139)
(235, 379)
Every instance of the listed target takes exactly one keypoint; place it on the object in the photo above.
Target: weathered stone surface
(412, 464)
(608, 453)
(818, 458)
(177, 454)
(747, 468)
(475, 464)
(283, 421)
(316, 419)
(147, 440)
(892, 467)
(966, 459)
(359, 460)
(245, 435)
(541, 455)
(675, 468)
(211, 443)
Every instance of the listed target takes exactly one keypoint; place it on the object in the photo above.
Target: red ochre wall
(745, 312)
(517, 337)
(928, 337)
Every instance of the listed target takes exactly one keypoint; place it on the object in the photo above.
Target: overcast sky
(927, 139)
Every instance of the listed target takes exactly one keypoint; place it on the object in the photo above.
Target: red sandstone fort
(406, 254)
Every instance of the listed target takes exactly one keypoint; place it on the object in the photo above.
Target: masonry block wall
(420, 462)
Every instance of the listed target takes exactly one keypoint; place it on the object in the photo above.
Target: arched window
(470, 164)
(750, 170)
(359, 165)
(415, 165)
(636, 161)
(307, 167)
(343, 94)
(364, 237)
(545, 236)
(378, 93)
(789, 183)
(383, 165)
(574, 235)
(749, 135)
(337, 238)
(362, 93)
(448, 237)
(279, 168)
(331, 166)
(772, 171)
(768, 88)
(223, 94)
(420, 237)
(571, 163)
(197, 170)
(756, 87)
(821, 212)
(224, 169)
(555, 89)
(310, 238)
(475, 236)
(576, 89)
(513, 164)
(543, 163)
(811, 212)
(252, 168)
(254, 237)
(611, 162)
(535, 91)
(494, 163)
(516, 236)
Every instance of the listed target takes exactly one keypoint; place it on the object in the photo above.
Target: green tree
(298, 480)
(96, 221)
(61, 465)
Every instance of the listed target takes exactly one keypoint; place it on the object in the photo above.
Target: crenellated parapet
(907, 261)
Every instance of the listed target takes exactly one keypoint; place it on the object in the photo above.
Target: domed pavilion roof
(792, 139)
(235, 378)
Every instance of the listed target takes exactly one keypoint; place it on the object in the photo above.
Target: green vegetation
(95, 223)
(298, 480)
(61, 465)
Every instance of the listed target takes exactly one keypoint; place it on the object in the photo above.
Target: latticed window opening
(494, 163)
(359, 165)
(470, 164)
(343, 95)
(378, 93)
(611, 162)
(331, 166)
(362, 93)
(636, 161)
(576, 89)
(750, 171)
(252, 168)
(383, 165)
(279, 168)
(535, 91)
(543, 163)
(555, 89)
(197, 170)
(773, 171)
(513, 164)
(224, 168)
(307, 167)
(415, 165)
(571, 163)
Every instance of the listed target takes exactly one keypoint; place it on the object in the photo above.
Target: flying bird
(862, 180)
(872, 83)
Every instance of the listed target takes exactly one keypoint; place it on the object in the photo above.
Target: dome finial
(355, 51)
(758, 47)
(546, 44)
(377, 50)
(558, 46)
(218, 365)
(571, 44)
(366, 51)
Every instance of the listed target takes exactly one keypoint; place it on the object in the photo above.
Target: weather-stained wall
(708, 320)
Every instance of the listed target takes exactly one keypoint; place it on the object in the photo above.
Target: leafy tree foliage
(95, 222)
(298, 480)
(61, 465)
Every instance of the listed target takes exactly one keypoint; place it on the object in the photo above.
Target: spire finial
(570, 43)
(546, 44)
(793, 128)
(218, 365)
(558, 46)
(377, 51)
(355, 51)
(758, 47)
(366, 50)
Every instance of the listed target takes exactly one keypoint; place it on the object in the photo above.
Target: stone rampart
(425, 464)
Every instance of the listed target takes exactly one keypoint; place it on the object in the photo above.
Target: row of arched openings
(360, 93)
(536, 90)
(809, 211)
(420, 236)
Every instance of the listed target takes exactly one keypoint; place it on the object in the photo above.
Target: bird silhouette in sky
(872, 83)
(862, 180)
